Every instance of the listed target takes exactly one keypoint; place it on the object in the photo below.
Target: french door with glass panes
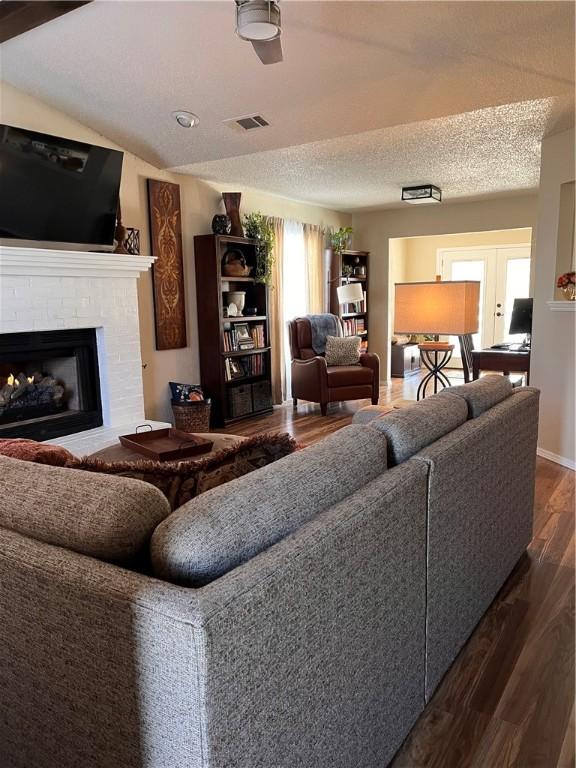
(504, 275)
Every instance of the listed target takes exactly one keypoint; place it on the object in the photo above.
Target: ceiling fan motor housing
(257, 19)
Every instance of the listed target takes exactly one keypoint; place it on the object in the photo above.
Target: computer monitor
(521, 320)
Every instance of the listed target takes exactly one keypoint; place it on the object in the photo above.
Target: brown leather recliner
(313, 380)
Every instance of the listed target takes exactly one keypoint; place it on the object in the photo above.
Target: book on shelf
(234, 368)
(354, 308)
(254, 365)
(230, 341)
(354, 326)
(244, 367)
(257, 333)
(243, 337)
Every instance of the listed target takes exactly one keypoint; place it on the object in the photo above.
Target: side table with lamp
(440, 308)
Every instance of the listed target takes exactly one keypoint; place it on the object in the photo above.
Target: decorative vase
(238, 298)
(569, 292)
(232, 205)
(119, 233)
(221, 224)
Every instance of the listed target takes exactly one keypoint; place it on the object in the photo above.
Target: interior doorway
(499, 259)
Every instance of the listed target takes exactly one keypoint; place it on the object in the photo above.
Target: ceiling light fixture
(425, 193)
(186, 119)
(257, 19)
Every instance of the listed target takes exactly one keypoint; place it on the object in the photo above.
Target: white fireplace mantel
(40, 262)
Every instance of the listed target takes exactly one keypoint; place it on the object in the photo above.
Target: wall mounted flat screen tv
(57, 193)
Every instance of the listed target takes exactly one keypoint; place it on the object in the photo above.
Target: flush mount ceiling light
(186, 119)
(425, 193)
(257, 19)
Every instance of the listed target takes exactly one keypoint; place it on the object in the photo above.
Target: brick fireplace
(45, 291)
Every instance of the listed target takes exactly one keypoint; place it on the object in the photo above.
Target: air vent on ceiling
(247, 123)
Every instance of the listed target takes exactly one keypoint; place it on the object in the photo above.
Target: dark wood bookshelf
(355, 260)
(229, 396)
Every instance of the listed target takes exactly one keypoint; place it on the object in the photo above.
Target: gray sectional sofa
(297, 617)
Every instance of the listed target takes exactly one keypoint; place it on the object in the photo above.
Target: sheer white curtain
(314, 249)
(294, 285)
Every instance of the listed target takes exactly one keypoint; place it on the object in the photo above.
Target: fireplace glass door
(49, 383)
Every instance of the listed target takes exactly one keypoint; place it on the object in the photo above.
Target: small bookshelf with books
(350, 267)
(234, 328)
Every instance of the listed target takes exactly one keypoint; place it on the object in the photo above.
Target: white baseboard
(569, 463)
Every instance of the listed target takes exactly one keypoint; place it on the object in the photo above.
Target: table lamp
(447, 308)
(350, 293)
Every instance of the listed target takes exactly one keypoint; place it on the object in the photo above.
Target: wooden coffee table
(118, 452)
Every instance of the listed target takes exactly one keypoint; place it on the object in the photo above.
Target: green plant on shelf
(259, 227)
(339, 239)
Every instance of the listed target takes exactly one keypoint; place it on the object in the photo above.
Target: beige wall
(420, 252)
(398, 255)
(200, 201)
(373, 231)
(553, 333)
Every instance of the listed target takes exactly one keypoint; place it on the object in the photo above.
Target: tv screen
(56, 191)
(521, 320)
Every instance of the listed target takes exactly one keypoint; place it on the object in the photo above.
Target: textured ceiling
(488, 151)
(351, 69)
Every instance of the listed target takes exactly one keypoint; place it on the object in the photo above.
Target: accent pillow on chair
(342, 350)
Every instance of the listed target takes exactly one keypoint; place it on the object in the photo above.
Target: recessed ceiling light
(186, 119)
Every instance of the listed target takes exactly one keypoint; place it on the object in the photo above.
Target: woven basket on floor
(193, 416)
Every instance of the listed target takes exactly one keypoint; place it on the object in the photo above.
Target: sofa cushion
(412, 428)
(181, 481)
(370, 412)
(229, 525)
(107, 517)
(349, 375)
(482, 394)
(342, 350)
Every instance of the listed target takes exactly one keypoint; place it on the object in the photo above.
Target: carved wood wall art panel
(168, 269)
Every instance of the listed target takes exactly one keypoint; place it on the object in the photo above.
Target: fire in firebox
(28, 397)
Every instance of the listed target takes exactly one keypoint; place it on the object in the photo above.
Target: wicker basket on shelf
(192, 416)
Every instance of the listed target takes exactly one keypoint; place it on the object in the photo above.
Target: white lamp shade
(447, 308)
(350, 293)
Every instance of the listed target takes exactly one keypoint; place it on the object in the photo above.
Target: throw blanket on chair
(322, 326)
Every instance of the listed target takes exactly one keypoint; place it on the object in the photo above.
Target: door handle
(499, 314)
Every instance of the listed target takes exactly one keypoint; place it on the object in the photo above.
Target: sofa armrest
(98, 664)
(310, 379)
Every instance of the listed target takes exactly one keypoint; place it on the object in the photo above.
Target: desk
(503, 360)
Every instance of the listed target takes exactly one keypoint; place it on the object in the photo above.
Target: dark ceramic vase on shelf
(232, 205)
(221, 224)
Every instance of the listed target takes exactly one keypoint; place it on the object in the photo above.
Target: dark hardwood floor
(508, 700)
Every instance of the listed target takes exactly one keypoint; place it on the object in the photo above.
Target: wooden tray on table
(166, 444)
